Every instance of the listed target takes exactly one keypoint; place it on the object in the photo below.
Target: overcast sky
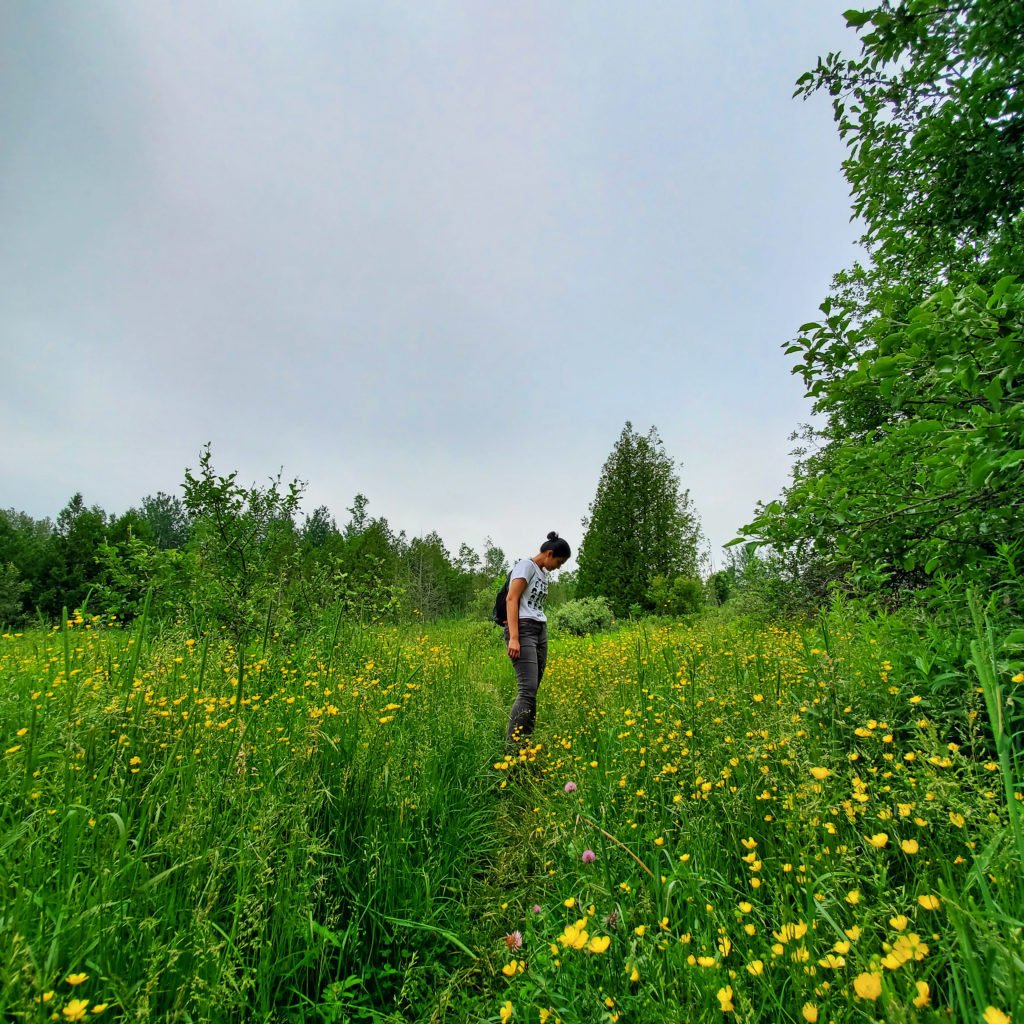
(434, 252)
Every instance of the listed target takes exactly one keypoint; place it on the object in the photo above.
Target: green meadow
(718, 819)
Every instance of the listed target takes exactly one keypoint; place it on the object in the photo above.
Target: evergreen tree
(641, 525)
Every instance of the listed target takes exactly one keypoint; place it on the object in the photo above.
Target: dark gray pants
(533, 657)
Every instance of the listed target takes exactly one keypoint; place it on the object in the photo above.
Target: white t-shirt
(531, 604)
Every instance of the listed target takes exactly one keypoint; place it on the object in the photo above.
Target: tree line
(224, 553)
(228, 555)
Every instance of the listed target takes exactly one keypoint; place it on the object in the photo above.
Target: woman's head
(557, 549)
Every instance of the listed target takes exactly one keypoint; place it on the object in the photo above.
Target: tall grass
(763, 823)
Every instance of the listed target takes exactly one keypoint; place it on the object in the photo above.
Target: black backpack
(500, 613)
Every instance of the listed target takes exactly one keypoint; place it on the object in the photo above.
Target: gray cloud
(437, 253)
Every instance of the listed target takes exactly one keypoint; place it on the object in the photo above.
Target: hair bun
(552, 535)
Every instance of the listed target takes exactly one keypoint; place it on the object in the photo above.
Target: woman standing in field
(526, 631)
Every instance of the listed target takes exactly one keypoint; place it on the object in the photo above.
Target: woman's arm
(515, 591)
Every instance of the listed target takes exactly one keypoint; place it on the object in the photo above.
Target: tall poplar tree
(641, 524)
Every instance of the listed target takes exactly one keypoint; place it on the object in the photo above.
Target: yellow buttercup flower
(575, 935)
(75, 1010)
(821, 773)
(868, 985)
(810, 1012)
(878, 840)
(923, 997)
(510, 968)
(994, 1016)
(599, 944)
(76, 979)
(909, 846)
(929, 902)
(506, 1012)
(725, 999)
(755, 967)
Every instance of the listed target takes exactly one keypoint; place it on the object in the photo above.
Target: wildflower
(99, 1007)
(640, 929)
(510, 969)
(506, 1012)
(75, 1010)
(910, 947)
(899, 922)
(634, 974)
(853, 897)
(575, 935)
(923, 997)
(994, 1016)
(588, 857)
(878, 840)
(76, 979)
(536, 908)
(929, 902)
(706, 961)
(570, 903)
(791, 931)
(725, 998)
(956, 819)
(755, 967)
(821, 773)
(853, 934)
(909, 846)
(514, 940)
(599, 944)
(1018, 678)
(810, 1012)
(570, 787)
(868, 985)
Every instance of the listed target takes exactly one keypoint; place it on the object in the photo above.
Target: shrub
(582, 616)
(679, 595)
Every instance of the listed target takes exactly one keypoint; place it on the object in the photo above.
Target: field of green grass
(717, 821)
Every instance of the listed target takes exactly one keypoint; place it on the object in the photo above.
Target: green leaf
(994, 394)
(921, 427)
(884, 367)
(981, 471)
(856, 19)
